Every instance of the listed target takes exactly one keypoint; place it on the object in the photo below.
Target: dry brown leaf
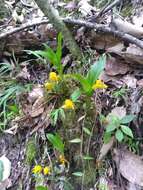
(24, 74)
(130, 81)
(115, 67)
(38, 107)
(140, 83)
(71, 6)
(119, 112)
(105, 148)
(37, 92)
(132, 55)
(44, 119)
(130, 166)
(116, 81)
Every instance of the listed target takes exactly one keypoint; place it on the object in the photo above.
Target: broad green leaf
(127, 131)
(107, 137)
(111, 127)
(77, 140)
(54, 116)
(56, 141)
(59, 48)
(51, 56)
(41, 188)
(84, 82)
(96, 70)
(62, 113)
(127, 119)
(75, 95)
(1, 170)
(78, 174)
(119, 135)
(88, 158)
(87, 131)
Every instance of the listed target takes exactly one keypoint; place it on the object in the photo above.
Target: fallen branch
(21, 28)
(98, 27)
(105, 29)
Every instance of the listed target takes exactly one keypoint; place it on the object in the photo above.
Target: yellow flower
(47, 170)
(49, 85)
(99, 85)
(53, 77)
(68, 104)
(62, 160)
(37, 169)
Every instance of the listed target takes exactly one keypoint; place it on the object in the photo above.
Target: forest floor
(68, 124)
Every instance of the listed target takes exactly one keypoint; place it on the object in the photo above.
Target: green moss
(3, 10)
(30, 151)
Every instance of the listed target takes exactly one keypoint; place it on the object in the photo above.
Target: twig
(23, 27)
(98, 27)
(108, 7)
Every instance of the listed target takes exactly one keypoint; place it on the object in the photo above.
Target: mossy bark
(55, 19)
(3, 9)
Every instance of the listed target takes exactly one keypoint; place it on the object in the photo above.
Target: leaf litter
(35, 119)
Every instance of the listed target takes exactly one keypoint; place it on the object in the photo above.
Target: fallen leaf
(37, 92)
(130, 81)
(85, 8)
(24, 74)
(6, 167)
(119, 112)
(71, 6)
(105, 148)
(130, 166)
(140, 83)
(115, 67)
(38, 107)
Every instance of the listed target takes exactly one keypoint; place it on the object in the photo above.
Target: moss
(3, 9)
(89, 177)
(30, 151)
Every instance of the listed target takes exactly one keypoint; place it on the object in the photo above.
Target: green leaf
(96, 70)
(126, 130)
(111, 127)
(54, 116)
(127, 119)
(59, 48)
(77, 174)
(1, 170)
(77, 140)
(107, 137)
(56, 141)
(14, 108)
(88, 158)
(75, 95)
(41, 188)
(119, 135)
(87, 131)
(62, 113)
(87, 88)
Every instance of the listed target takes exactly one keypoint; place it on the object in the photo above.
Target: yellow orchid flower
(53, 77)
(47, 170)
(37, 169)
(62, 160)
(68, 104)
(49, 85)
(99, 85)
